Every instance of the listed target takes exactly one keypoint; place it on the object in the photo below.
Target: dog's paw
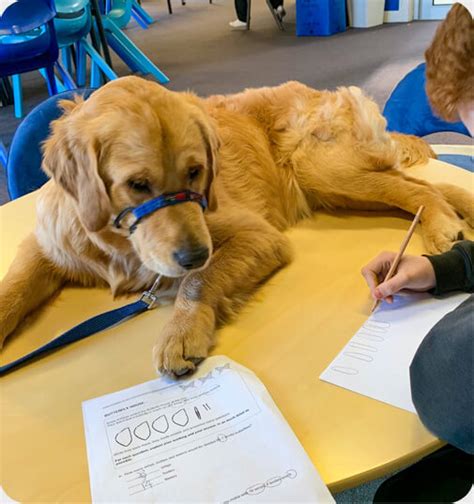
(184, 343)
(441, 233)
(178, 354)
(461, 200)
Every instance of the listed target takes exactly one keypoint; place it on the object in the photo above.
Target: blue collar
(155, 204)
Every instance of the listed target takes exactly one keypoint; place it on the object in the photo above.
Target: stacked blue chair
(28, 42)
(24, 173)
(114, 20)
(73, 24)
(138, 13)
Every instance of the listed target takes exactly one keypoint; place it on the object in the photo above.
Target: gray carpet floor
(197, 49)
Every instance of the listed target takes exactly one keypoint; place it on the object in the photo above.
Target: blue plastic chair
(28, 42)
(73, 24)
(24, 173)
(114, 20)
(408, 109)
(138, 13)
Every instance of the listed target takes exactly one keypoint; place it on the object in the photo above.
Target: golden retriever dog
(266, 158)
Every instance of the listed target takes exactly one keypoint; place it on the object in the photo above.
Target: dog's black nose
(191, 258)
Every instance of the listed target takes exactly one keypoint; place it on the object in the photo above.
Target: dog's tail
(412, 150)
(382, 148)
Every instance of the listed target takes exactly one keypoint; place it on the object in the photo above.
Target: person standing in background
(241, 8)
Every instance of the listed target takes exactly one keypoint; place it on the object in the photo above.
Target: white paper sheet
(217, 437)
(376, 360)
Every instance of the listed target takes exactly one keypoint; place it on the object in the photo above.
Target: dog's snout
(191, 258)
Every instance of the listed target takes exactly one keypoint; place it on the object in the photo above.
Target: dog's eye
(141, 186)
(194, 171)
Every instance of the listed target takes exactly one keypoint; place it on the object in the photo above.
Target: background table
(288, 335)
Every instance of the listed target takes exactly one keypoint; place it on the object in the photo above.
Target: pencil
(403, 246)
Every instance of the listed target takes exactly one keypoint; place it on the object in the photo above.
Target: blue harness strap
(151, 206)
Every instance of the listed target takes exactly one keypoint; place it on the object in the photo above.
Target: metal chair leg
(100, 28)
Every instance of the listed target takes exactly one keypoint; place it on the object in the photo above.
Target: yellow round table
(288, 334)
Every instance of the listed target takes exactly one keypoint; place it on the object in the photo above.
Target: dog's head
(132, 141)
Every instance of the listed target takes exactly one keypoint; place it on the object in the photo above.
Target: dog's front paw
(184, 342)
(441, 232)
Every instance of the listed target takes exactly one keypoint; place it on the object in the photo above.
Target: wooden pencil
(403, 246)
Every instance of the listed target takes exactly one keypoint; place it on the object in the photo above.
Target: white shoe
(238, 25)
(281, 11)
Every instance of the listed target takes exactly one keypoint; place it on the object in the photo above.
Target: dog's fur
(266, 158)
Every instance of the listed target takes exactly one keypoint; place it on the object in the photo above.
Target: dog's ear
(209, 134)
(71, 157)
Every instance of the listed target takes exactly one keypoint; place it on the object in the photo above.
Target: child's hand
(414, 273)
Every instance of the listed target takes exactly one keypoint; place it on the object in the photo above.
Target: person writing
(441, 373)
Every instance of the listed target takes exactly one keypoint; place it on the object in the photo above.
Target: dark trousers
(444, 476)
(241, 7)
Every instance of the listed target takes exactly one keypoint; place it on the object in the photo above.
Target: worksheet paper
(376, 361)
(216, 437)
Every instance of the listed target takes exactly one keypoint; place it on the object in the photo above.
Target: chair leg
(140, 21)
(66, 58)
(96, 76)
(170, 9)
(3, 154)
(81, 70)
(249, 9)
(51, 81)
(3, 95)
(144, 64)
(59, 85)
(122, 52)
(140, 11)
(86, 47)
(66, 76)
(97, 33)
(7, 87)
(17, 96)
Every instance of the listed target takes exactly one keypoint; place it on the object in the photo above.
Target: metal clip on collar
(149, 297)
